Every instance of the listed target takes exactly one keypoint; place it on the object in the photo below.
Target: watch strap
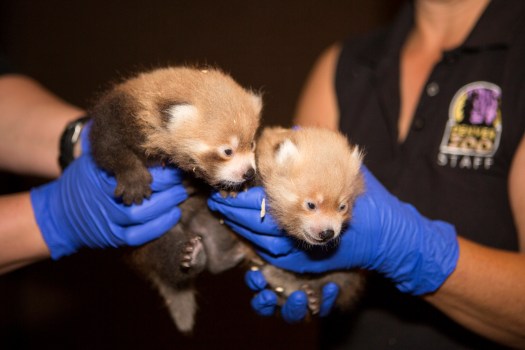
(68, 140)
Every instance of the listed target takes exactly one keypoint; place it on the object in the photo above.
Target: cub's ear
(285, 152)
(177, 113)
(257, 103)
(357, 154)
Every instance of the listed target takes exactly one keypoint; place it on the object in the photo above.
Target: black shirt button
(432, 89)
(418, 124)
(450, 57)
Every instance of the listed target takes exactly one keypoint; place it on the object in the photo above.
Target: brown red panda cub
(198, 119)
(202, 121)
(311, 177)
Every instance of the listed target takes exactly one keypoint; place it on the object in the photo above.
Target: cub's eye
(226, 151)
(342, 207)
(310, 205)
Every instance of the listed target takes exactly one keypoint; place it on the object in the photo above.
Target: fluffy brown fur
(200, 120)
(205, 123)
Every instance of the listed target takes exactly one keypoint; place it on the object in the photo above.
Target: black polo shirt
(453, 165)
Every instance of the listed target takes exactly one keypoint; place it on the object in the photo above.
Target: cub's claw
(192, 250)
(313, 299)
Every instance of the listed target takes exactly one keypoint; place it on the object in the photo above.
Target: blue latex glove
(79, 209)
(385, 235)
(295, 307)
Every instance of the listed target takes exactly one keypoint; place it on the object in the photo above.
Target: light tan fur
(317, 166)
(309, 165)
(223, 109)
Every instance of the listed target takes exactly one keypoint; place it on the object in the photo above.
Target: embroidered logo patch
(473, 130)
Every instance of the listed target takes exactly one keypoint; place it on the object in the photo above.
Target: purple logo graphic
(482, 106)
(474, 127)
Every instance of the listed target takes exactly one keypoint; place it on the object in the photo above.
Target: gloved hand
(295, 307)
(385, 235)
(79, 209)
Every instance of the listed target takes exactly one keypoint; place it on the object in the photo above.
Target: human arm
(486, 291)
(317, 105)
(78, 209)
(21, 242)
(418, 254)
(31, 122)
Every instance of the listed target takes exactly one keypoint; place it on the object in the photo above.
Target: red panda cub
(203, 122)
(311, 177)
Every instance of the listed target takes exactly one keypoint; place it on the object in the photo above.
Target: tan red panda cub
(199, 119)
(311, 177)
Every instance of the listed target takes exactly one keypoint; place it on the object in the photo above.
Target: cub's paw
(133, 189)
(314, 298)
(193, 254)
(134, 196)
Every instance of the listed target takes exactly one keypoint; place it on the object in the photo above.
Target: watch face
(69, 140)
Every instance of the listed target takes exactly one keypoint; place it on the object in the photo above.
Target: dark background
(74, 48)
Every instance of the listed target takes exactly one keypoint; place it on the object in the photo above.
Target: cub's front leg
(133, 183)
(116, 141)
(132, 175)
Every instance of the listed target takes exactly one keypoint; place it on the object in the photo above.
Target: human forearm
(31, 122)
(20, 240)
(485, 293)
(317, 105)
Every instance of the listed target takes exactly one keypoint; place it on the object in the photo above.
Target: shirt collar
(497, 28)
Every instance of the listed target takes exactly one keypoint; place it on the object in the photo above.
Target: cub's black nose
(249, 174)
(326, 235)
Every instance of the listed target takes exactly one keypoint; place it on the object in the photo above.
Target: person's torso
(454, 163)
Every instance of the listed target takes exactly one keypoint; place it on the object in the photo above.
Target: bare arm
(317, 104)
(21, 242)
(31, 121)
(486, 293)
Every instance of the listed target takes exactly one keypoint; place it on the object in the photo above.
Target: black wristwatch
(69, 139)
